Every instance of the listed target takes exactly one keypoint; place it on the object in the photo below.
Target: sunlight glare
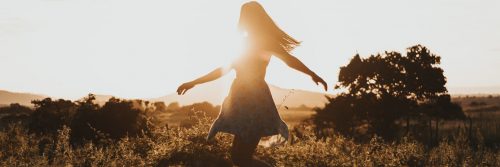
(236, 45)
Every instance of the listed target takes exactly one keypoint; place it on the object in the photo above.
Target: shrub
(51, 115)
(115, 120)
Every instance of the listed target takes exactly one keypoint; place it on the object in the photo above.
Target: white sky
(68, 48)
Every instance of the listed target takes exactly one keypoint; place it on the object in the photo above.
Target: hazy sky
(68, 48)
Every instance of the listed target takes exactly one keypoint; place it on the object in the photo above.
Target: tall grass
(180, 146)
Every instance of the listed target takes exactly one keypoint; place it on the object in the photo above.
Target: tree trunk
(470, 128)
(408, 125)
(437, 131)
(430, 131)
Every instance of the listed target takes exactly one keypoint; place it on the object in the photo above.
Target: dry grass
(295, 117)
(188, 147)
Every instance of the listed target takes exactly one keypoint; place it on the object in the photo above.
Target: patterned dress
(249, 110)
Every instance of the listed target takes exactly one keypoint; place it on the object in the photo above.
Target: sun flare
(236, 46)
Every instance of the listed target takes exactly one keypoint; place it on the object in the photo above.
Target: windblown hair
(255, 20)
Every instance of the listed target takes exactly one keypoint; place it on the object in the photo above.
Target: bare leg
(243, 150)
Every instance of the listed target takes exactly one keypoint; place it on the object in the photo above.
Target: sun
(236, 46)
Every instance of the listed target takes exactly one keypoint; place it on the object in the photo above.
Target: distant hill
(212, 92)
(25, 99)
(474, 91)
(215, 93)
(6, 98)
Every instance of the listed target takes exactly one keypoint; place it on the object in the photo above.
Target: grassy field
(186, 146)
(179, 146)
(484, 112)
(295, 117)
(291, 117)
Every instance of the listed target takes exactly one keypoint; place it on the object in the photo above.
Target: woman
(249, 112)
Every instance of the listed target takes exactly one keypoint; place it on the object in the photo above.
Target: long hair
(255, 20)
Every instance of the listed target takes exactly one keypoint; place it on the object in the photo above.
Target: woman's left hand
(319, 80)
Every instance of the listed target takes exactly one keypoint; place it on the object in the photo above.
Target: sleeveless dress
(249, 110)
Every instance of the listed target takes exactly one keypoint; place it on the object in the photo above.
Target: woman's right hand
(184, 88)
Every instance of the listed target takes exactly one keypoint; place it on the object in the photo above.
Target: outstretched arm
(296, 64)
(215, 74)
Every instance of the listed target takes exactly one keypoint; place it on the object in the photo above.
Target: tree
(15, 108)
(14, 113)
(85, 118)
(382, 89)
(117, 118)
(50, 116)
(160, 106)
(173, 106)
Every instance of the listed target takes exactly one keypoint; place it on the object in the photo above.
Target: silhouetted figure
(249, 111)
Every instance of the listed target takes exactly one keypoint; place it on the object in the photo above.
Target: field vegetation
(23, 144)
(396, 111)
